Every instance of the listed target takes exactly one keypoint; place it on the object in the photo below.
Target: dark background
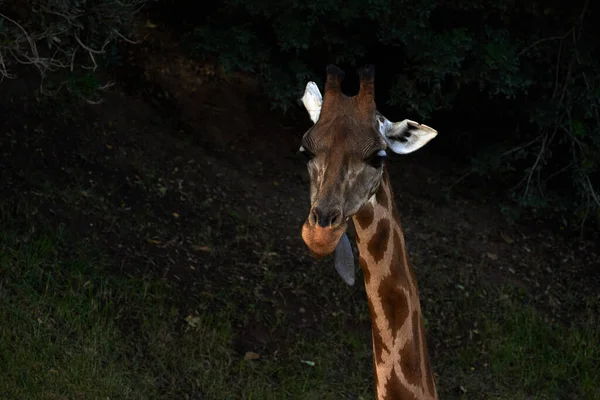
(491, 76)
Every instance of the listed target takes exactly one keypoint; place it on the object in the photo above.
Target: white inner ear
(405, 136)
(312, 101)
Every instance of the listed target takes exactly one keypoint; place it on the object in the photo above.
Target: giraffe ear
(312, 101)
(406, 136)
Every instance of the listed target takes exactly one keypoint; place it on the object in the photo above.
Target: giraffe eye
(376, 159)
(306, 153)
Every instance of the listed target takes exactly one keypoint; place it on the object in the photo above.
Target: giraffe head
(346, 149)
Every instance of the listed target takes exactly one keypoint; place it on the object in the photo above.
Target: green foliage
(65, 40)
(525, 72)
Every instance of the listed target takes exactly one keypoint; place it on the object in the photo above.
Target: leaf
(150, 24)
(492, 256)
(201, 248)
(154, 241)
(506, 238)
(251, 356)
(307, 362)
(193, 321)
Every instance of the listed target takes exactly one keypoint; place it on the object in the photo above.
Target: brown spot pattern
(378, 345)
(411, 353)
(398, 267)
(381, 197)
(410, 362)
(395, 213)
(416, 325)
(365, 268)
(365, 215)
(394, 390)
(379, 242)
(413, 278)
(394, 303)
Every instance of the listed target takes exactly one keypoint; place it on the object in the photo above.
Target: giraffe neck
(400, 356)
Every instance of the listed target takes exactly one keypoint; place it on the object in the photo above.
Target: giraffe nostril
(325, 219)
(313, 217)
(335, 219)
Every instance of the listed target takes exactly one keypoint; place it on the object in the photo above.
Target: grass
(544, 358)
(72, 330)
(513, 350)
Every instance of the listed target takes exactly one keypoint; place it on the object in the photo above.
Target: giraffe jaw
(322, 241)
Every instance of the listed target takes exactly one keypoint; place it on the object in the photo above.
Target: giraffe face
(346, 149)
(345, 166)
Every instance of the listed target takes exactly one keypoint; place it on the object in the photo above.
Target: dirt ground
(183, 172)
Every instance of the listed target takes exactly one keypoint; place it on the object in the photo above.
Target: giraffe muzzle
(322, 231)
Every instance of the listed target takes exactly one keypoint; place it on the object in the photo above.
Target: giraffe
(346, 150)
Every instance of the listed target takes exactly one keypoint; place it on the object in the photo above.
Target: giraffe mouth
(322, 241)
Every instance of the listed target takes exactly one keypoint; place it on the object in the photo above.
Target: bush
(518, 82)
(65, 40)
